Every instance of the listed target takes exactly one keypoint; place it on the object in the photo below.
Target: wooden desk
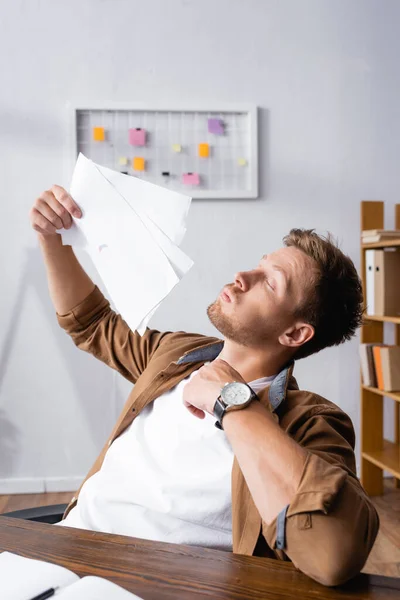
(158, 571)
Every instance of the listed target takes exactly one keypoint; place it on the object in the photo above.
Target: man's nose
(245, 280)
(242, 281)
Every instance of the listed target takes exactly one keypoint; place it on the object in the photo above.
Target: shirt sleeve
(95, 328)
(330, 525)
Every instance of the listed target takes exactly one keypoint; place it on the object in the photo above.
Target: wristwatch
(234, 396)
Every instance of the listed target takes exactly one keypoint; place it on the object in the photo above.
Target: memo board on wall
(204, 153)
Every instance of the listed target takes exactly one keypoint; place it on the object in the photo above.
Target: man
(277, 476)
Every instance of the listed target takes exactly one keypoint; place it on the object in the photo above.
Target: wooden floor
(383, 560)
(20, 501)
(385, 556)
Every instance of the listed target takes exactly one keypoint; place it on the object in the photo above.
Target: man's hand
(52, 211)
(202, 391)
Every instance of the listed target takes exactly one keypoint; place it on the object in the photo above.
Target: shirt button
(73, 499)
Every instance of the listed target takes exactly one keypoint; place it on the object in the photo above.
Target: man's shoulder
(313, 420)
(309, 401)
(303, 409)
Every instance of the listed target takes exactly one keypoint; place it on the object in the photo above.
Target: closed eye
(269, 284)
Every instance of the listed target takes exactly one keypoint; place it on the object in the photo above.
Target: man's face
(260, 305)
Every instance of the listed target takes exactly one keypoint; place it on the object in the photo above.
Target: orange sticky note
(98, 134)
(138, 163)
(204, 150)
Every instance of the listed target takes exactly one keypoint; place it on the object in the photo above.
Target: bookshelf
(377, 453)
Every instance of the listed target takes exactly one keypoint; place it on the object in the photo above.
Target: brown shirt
(329, 527)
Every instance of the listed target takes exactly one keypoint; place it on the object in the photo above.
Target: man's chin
(233, 331)
(222, 323)
(215, 316)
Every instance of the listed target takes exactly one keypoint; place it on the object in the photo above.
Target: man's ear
(297, 336)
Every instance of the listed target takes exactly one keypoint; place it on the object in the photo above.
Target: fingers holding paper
(52, 211)
(66, 201)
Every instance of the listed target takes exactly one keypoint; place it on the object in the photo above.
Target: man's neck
(253, 364)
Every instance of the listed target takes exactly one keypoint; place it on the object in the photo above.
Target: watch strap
(219, 412)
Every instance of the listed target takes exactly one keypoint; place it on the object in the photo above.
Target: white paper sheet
(22, 578)
(131, 232)
(166, 208)
(96, 588)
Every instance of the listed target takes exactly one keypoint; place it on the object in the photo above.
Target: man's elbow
(342, 570)
(344, 556)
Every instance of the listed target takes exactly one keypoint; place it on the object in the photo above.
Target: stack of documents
(369, 236)
(131, 229)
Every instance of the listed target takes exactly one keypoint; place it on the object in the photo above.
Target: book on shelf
(372, 239)
(378, 367)
(380, 231)
(390, 360)
(367, 365)
(378, 235)
(386, 360)
(22, 578)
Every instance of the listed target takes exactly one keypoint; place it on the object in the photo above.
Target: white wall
(325, 74)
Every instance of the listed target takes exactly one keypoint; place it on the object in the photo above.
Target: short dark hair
(334, 304)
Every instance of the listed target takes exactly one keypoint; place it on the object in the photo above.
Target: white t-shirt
(167, 477)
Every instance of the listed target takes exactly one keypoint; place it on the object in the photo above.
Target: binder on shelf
(379, 283)
(382, 290)
(370, 280)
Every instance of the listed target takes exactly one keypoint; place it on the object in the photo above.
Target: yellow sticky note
(98, 134)
(123, 160)
(204, 150)
(138, 163)
(176, 147)
(242, 162)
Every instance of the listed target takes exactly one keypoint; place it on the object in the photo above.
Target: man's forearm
(68, 282)
(272, 463)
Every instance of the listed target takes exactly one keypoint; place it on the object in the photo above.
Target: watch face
(235, 393)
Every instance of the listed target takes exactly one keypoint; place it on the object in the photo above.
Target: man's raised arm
(81, 308)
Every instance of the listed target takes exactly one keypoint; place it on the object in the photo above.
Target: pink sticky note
(191, 179)
(216, 126)
(137, 137)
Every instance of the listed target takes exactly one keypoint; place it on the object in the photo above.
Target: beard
(232, 329)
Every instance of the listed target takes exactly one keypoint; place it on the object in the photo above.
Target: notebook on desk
(24, 578)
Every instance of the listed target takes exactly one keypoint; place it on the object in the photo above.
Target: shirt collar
(278, 387)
